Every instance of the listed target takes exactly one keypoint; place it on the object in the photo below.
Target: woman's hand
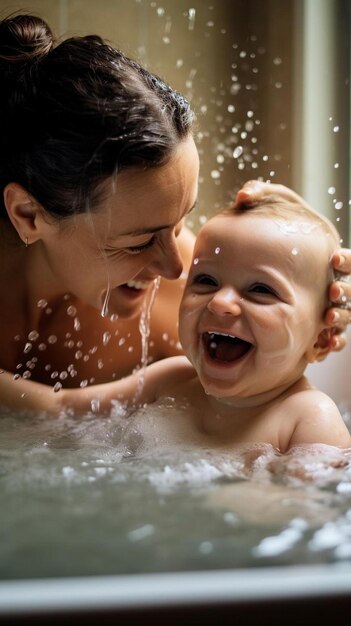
(338, 315)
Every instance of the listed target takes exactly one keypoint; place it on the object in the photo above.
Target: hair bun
(24, 39)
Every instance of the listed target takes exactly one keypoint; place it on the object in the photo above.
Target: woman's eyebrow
(147, 231)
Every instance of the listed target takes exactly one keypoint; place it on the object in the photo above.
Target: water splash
(104, 310)
(144, 329)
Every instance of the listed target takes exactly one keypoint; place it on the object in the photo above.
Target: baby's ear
(321, 347)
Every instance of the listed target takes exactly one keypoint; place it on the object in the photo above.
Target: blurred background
(269, 81)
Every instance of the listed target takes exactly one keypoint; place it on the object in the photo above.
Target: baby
(250, 321)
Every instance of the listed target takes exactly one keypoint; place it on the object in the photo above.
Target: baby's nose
(226, 301)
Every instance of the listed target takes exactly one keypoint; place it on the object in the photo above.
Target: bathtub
(288, 594)
(291, 595)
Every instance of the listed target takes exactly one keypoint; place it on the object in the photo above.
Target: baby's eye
(138, 249)
(260, 288)
(205, 279)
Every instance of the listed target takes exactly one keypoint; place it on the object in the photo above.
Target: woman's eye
(264, 289)
(205, 279)
(144, 246)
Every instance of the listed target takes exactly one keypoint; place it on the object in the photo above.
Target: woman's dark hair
(75, 113)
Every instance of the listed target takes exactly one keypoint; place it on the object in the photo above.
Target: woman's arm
(337, 316)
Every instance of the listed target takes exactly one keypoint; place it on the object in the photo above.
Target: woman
(98, 171)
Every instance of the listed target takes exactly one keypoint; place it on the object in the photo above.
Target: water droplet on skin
(195, 261)
(121, 341)
(217, 250)
(86, 357)
(237, 152)
(18, 367)
(26, 374)
(202, 219)
(48, 311)
(100, 364)
(16, 377)
(191, 16)
(295, 251)
(83, 383)
(71, 311)
(33, 335)
(57, 386)
(95, 405)
(114, 317)
(106, 338)
(76, 324)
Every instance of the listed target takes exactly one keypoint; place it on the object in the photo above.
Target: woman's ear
(23, 212)
(321, 347)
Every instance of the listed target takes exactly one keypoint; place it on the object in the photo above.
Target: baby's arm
(26, 395)
(316, 419)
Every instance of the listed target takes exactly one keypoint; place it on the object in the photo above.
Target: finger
(337, 342)
(256, 190)
(337, 319)
(341, 260)
(340, 293)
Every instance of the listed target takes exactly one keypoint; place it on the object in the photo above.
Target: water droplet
(27, 347)
(195, 261)
(237, 152)
(331, 190)
(52, 339)
(57, 386)
(17, 337)
(33, 335)
(121, 341)
(54, 374)
(100, 364)
(339, 205)
(114, 317)
(217, 250)
(295, 251)
(63, 375)
(42, 303)
(83, 383)
(26, 374)
(95, 405)
(277, 61)
(215, 174)
(71, 311)
(16, 377)
(78, 354)
(336, 129)
(191, 16)
(76, 324)
(106, 338)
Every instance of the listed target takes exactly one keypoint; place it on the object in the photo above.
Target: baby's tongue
(225, 348)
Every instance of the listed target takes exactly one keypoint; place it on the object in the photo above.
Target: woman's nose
(168, 262)
(226, 301)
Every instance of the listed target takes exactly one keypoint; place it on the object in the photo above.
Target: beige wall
(234, 60)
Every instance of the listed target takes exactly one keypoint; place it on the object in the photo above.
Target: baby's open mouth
(224, 347)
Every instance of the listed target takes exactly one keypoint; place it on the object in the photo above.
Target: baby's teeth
(137, 284)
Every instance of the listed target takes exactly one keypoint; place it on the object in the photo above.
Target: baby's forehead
(268, 226)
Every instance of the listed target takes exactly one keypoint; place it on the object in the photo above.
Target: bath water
(105, 495)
